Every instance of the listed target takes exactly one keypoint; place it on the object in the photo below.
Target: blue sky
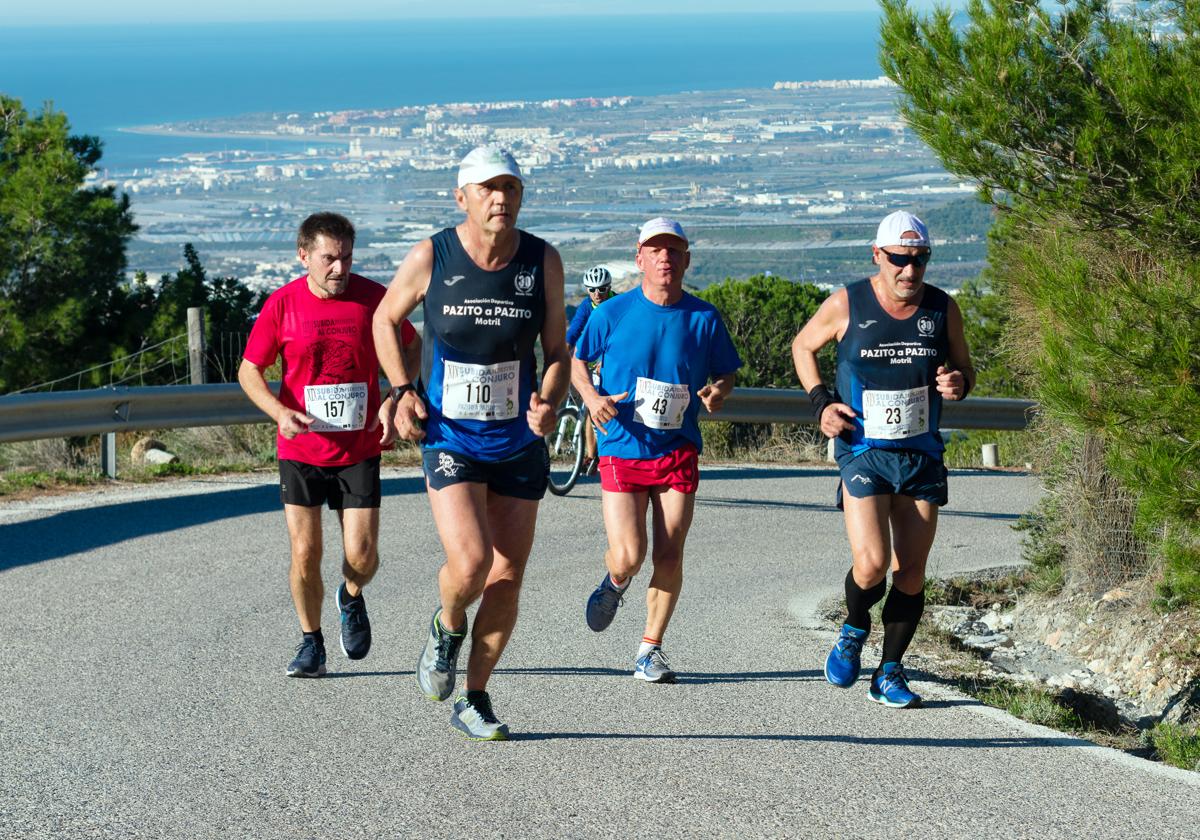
(52, 12)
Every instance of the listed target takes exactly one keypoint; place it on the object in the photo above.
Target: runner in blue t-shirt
(665, 353)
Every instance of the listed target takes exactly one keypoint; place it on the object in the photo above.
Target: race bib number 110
(480, 392)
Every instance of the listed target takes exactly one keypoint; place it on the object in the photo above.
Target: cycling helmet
(597, 278)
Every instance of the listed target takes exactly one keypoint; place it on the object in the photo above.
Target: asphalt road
(145, 632)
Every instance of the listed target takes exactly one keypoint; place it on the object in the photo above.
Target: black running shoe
(309, 661)
(356, 627)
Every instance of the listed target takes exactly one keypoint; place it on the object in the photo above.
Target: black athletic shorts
(895, 472)
(524, 475)
(351, 486)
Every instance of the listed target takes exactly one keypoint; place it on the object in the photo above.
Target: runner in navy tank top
(489, 291)
(901, 351)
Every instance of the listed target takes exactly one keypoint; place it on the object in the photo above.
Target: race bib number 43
(660, 405)
(480, 392)
(338, 408)
(895, 415)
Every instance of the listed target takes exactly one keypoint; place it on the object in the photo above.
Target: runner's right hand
(604, 408)
(410, 414)
(836, 418)
(292, 423)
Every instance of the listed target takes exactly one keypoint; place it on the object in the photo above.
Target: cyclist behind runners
(661, 347)
(598, 283)
(490, 290)
(900, 352)
(329, 417)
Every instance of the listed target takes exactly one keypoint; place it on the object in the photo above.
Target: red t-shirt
(330, 370)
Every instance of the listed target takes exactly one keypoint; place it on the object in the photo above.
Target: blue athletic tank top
(478, 364)
(887, 372)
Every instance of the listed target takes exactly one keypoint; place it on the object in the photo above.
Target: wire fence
(225, 355)
(161, 363)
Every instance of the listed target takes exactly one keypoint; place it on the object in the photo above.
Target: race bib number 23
(895, 415)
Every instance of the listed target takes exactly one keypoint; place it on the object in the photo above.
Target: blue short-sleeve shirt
(674, 350)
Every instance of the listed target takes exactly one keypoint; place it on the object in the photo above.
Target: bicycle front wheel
(566, 450)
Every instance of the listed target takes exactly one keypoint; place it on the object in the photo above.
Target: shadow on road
(690, 677)
(873, 741)
(701, 501)
(75, 531)
(339, 675)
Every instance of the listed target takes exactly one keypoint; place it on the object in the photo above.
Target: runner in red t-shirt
(331, 426)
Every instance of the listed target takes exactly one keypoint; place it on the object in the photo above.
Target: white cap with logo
(895, 225)
(486, 162)
(661, 225)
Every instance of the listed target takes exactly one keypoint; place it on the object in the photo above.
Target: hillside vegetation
(1082, 129)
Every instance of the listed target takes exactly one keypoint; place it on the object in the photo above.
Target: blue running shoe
(845, 660)
(890, 687)
(603, 603)
(356, 627)
(309, 661)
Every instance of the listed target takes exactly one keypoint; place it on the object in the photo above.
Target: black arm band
(820, 397)
(400, 390)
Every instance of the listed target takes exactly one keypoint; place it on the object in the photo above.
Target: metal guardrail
(105, 410)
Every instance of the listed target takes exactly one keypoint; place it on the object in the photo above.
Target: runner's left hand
(712, 397)
(950, 383)
(540, 415)
(386, 419)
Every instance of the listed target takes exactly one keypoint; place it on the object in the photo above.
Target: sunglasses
(902, 260)
(600, 289)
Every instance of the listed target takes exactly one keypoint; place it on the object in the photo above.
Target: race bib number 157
(338, 408)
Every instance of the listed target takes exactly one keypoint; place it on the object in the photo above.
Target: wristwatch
(400, 390)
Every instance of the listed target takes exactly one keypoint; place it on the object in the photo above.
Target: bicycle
(566, 445)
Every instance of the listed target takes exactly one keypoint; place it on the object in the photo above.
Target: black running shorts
(524, 475)
(351, 486)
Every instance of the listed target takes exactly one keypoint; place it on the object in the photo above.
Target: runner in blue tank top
(490, 291)
(901, 351)
(665, 354)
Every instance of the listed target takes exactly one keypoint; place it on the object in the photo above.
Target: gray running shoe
(439, 661)
(474, 717)
(653, 667)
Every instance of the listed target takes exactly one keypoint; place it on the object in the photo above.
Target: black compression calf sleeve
(901, 613)
(859, 602)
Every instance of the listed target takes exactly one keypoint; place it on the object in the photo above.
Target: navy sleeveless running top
(478, 364)
(890, 366)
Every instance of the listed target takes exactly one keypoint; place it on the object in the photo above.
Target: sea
(106, 78)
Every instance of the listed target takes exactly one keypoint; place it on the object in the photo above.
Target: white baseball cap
(895, 225)
(662, 225)
(486, 162)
